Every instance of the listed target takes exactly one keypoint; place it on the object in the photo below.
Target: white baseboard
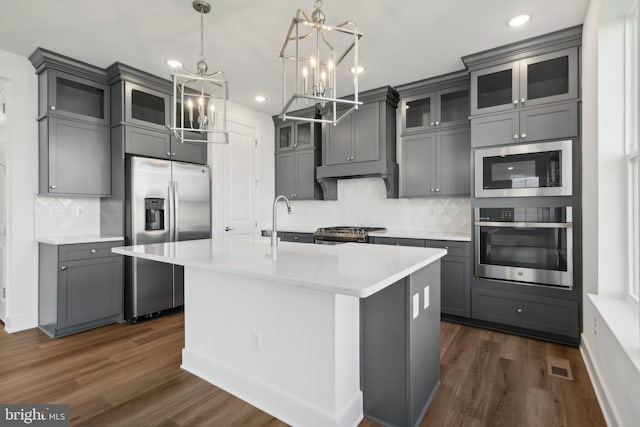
(280, 404)
(20, 323)
(600, 389)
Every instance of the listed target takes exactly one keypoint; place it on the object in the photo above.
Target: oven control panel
(532, 214)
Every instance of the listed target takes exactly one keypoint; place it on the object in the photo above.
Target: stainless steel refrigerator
(166, 201)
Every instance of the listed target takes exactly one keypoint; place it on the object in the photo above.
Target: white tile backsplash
(363, 202)
(66, 216)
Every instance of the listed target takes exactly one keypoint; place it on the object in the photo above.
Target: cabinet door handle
(53, 108)
(437, 190)
(53, 187)
(295, 238)
(168, 153)
(437, 123)
(173, 154)
(519, 310)
(432, 124)
(93, 251)
(63, 268)
(432, 190)
(228, 228)
(524, 135)
(523, 100)
(515, 101)
(515, 136)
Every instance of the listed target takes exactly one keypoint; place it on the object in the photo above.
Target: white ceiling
(404, 40)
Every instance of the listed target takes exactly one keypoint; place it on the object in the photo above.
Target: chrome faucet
(274, 229)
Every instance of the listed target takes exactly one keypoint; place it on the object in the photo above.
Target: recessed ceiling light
(174, 63)
(360, 69)
(260, 98)
(516, 21)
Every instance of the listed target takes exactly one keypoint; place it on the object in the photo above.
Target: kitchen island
(316, 335)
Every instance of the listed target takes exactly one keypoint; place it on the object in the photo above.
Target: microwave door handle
(524, 224)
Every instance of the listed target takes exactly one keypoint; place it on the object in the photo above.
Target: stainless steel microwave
(524, 170)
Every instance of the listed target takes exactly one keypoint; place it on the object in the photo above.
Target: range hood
(368, 137)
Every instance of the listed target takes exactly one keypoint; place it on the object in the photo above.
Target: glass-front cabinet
(75, 97)
(533, 81)
(294, 135)
(147, 107)
(435, 110)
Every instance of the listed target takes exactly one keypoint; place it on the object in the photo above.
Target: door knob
(515, 136)
(523, 100)
(437, 123)
(519, 310)
(93, 251)
(53, 108)
(228, 228)
(524, 135)
(432, 124)
(515, 101)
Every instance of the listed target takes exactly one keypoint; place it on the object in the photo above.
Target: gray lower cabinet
(80, 287)
(295, 174)
(288, 236)
(455, 271)
(436, 163)
(536, 124)
(75, 157)
(551, 315)
(400, 355)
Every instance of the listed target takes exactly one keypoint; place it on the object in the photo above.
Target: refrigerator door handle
(176, 209)
(170, 211)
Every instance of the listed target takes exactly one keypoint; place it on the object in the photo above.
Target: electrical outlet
(416, 305)
(426, 297)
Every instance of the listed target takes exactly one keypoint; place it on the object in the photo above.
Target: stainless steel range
(344, 234)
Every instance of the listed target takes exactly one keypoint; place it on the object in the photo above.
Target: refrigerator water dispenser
(154, 214)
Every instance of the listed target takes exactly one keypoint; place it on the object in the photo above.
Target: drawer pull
(519, 310)
(63, 268)
(93, 251)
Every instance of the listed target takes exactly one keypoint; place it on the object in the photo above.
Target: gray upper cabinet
(75, 158)
(436, 163)
(536, 80)
(68, 96)
(534, 124)
(297, 156)
(436, 110)
(363, 143)
(142, 105)
(436, 147)
(147, 107)
(356, 138)
(74, 141)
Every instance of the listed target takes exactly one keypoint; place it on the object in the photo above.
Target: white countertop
(351, 269)
(294, 229)
(72, 240)
(422, 234)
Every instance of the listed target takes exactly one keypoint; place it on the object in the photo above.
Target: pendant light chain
(201, 35)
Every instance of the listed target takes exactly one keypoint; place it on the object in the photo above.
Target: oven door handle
(524, 224)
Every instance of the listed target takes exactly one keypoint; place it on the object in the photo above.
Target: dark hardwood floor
(129, 375)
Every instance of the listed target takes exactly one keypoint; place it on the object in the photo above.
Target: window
(631, 148)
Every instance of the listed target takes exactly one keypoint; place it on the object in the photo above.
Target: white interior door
(3, 200)
(239, 181)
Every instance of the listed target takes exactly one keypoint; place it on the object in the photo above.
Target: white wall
(610, 341)
(22, 183)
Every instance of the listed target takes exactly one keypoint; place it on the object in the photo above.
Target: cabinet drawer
(527, 311)
(453, 248)
(295, 237)
(399, 241)
(88, 250)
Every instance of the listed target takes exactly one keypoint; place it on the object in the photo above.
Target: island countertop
(353, 269)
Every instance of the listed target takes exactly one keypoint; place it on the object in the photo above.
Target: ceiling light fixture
(260, 98)
(208, 92)
(516, 21)
(313, 57)
(358, 70)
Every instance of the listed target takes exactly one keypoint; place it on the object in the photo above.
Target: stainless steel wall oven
(524, 170)
(527, 245)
